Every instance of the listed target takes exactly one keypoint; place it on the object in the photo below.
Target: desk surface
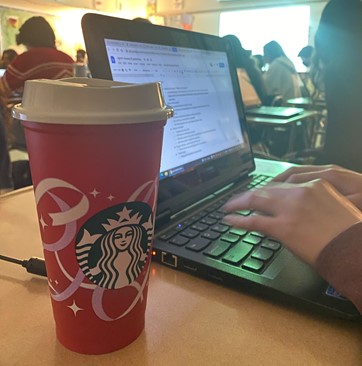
(189, 321)
(306, 102)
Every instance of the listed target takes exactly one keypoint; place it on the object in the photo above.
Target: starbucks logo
(112, 246)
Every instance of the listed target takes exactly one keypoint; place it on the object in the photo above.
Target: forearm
(340, 264)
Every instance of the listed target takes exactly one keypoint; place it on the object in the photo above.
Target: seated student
(7, 57)
(80, 67)
(259, 60)
(306, 54)
(81, 56)
(281, 77)
(316, 211)
(312, 78)
(41, 61)
(6, 183)
(242, 59)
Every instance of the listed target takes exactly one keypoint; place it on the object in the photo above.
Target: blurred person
(316, 77)
(313, 84)
(259, 60)
(81, 56)
(142, 20)
(7, 57)
(80, 67)
(242, 59)
(306, 54)
(281, 78)
(6, 183)
(41, 60)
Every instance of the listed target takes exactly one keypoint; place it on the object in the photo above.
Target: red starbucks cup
(94, 150)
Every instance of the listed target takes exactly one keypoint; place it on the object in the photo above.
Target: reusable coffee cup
(94, 150)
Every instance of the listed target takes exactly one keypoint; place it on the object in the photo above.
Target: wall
(64, 20)
(202, 6)
(206, 12)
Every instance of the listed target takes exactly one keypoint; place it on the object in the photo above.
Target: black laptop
(206, 158)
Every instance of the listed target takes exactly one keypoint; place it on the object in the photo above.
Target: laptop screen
(197, 84)
(206, 145)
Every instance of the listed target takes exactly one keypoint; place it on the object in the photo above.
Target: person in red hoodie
(41, 60)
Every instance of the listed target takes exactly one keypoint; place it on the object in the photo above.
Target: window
(288, 25)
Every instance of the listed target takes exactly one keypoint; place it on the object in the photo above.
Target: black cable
(33, 265)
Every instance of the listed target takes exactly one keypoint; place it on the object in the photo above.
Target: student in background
(242, 59)
(281, 78)
(142, 20)
(6, 183)
(7, 57)
(80, 67)
(259, 60)
(81, 56)
(41, 61)
(306, 54)
(312, 79)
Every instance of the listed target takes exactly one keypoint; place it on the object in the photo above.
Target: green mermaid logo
(112, 247)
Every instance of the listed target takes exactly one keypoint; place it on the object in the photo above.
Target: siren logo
(112, 246)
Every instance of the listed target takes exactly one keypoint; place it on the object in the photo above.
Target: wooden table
(189, 321)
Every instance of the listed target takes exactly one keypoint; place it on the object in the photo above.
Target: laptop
(206, 158)
(253, 104)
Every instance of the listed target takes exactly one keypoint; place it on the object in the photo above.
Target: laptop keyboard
(206, 233)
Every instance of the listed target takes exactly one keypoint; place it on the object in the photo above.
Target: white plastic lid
(92, 102)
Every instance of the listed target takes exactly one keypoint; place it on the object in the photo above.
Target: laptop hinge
(190, 207)
(244, 173)
(163, 217)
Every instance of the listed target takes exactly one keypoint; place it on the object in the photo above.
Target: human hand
(304, 217)
(347, 182)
